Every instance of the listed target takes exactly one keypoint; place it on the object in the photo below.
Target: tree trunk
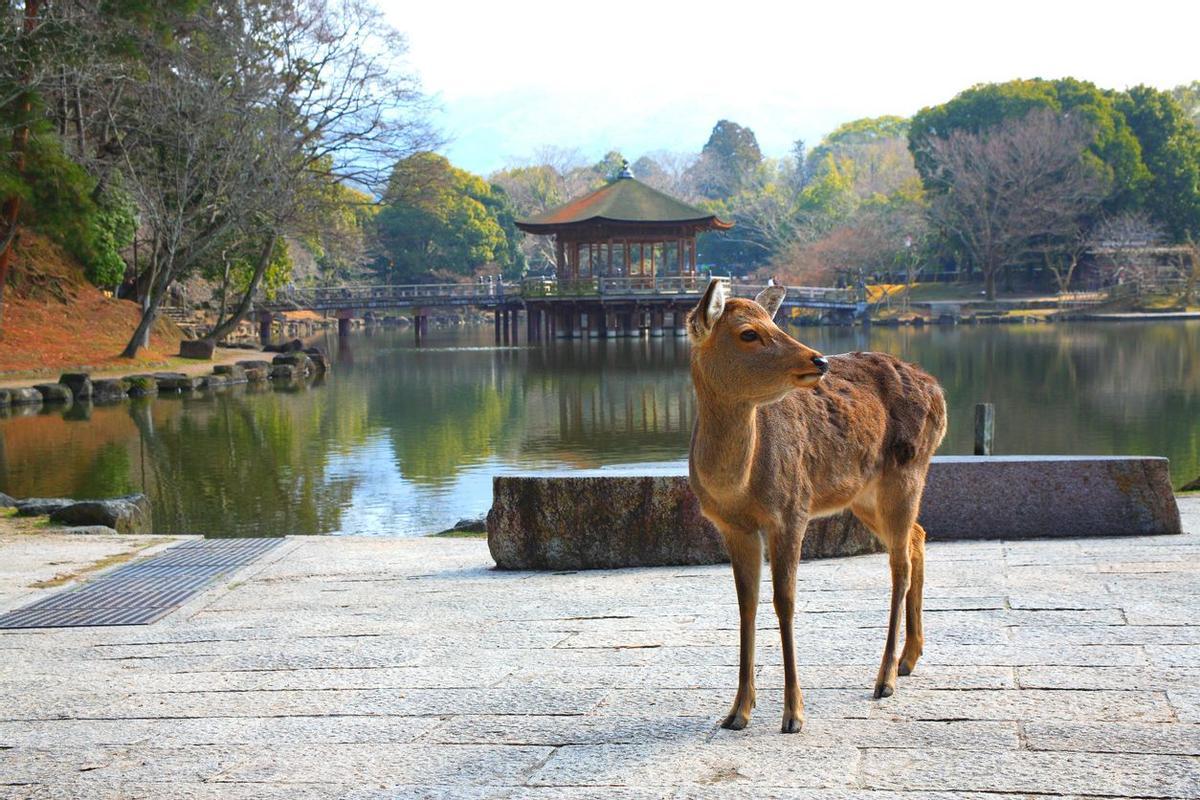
(264, 260)
(20, 140)
(141, 334)
(989, 282)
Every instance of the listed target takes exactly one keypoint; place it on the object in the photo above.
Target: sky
(510, 78)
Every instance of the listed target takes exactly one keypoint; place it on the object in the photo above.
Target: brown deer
(783, 435)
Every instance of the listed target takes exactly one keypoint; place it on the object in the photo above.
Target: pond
(402, 441)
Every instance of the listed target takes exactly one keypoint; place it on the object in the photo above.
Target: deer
(784, 435)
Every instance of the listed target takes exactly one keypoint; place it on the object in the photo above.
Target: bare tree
(1000, 191)
(1124, 247)
(341, 109)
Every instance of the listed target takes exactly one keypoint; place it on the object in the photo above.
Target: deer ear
(704, 316)
(771, 298)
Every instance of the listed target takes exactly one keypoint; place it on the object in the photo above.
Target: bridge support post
(679, 317)
(531, 330)
(602, 323)
(516, 325)
(264, 328)
(497, 323)
(344, 327)
(419, 326)
(626, 323)
(656, 322)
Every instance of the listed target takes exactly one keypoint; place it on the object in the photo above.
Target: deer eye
(748, 336)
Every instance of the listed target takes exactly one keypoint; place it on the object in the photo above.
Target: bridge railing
(622, 286)
(531, 288)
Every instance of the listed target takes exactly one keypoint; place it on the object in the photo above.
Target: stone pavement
(381, 668)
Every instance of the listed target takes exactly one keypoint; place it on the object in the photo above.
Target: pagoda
(625, 254)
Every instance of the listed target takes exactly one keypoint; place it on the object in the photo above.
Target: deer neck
(723, 443)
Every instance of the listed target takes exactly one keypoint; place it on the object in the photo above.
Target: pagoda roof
(625, 200)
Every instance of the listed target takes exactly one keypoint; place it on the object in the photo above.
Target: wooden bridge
(595, 307)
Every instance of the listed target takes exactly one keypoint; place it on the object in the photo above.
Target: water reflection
(402, 440)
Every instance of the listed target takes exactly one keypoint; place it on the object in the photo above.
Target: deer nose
(822, 363)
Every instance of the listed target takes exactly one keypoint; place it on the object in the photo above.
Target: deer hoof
(792, 725)
(735, 722)
(905, 668)
(883, 690)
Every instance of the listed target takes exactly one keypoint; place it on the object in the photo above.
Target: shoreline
(188, 366)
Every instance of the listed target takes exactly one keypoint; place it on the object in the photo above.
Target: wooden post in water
(985, 416)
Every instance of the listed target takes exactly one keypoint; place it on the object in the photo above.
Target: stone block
(108, 390)
(608, 520)
(80, 384)
(257, 374)
(176, 382)
(598, 522)
(234, 373)
(1023, 497)
(53, 393)
(25, 397)
(5, 398)
(200, 349)
(142, 385)
(129, 514)
(287, 372)
(6, 501)
(41, 506)
(300, 361)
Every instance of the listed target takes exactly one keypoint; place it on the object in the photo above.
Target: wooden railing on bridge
(493, 294)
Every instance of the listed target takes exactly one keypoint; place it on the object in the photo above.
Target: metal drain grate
(144, 591)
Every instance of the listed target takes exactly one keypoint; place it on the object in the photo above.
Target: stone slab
(607, 519)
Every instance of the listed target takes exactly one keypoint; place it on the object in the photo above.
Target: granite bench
(599, 519)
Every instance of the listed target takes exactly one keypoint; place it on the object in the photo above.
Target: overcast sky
(511, 77)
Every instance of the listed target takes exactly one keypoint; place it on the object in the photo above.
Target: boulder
(234, 373)
(295, 345)
(257, 374)
(110, 390)
(142, 385)
(287, 372)
(1194, 486)
(129, 514)
(41, 506)
(176, 382)
(609, 522)
(200, 349)
(80, 384)
(255, 364)
(300, 361)
(89, 530)
(318, 363)
(5, 398)
(25, 397)
(6, 501)
(53, 393)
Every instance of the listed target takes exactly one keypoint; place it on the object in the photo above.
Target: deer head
(740, 354)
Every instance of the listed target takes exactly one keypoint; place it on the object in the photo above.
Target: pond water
(402, 441)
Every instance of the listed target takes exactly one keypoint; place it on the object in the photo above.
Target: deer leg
(745, 552)
(896, 513)
(785, 558)
(914, 634)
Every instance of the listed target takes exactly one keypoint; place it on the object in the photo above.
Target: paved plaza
(386, 668)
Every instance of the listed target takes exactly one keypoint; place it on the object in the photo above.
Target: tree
(1122, 246)
(728, 158)
(1112, 149)
(1170, 144)
(1188, 97)
(1006, 188)
(437, 217)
